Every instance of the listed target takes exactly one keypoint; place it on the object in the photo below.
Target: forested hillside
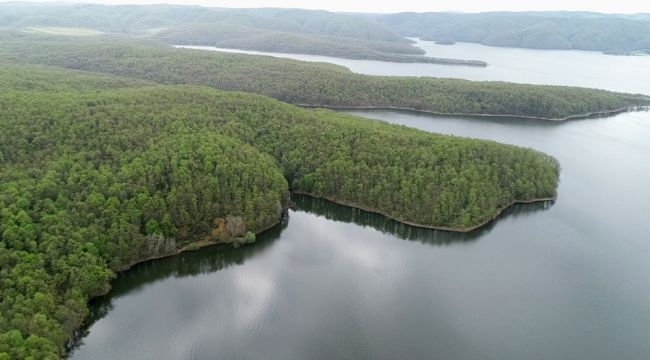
(273, 41)
(280, 30)
(309, 83)
(98, 172)
(146, 18)
(358, 36)
(538, 30)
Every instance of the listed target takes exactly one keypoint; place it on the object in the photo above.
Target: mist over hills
(352, 35)
(536, 30)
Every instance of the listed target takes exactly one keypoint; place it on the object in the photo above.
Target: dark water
(562, 280)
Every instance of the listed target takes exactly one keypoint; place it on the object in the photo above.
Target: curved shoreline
(589, 115)
(186, 248)
(203, 244)
(387, 57)
(200, 244)
(424, 226)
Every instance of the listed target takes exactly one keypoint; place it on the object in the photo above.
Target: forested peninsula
(314, 84)
(247, 39)
(98, 172)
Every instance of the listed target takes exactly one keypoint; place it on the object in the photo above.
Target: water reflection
(335, 212)
(215, 258)
(203, 261)
(566, 283)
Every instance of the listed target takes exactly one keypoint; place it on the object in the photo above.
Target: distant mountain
(134, 18)
(277, 30)
(535, 30)
(350, 35)
(268, 29)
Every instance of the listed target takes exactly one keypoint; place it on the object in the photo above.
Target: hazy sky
(606, 6)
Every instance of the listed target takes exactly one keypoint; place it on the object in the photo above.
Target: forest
(272, 41)
(609, 33)
(304, 83)
(98, 172)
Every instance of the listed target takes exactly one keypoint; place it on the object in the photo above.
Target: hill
(534, 30)
(279, 30)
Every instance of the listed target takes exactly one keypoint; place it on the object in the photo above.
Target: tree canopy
(99, 172)
(307, 83)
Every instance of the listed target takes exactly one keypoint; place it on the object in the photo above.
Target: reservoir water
(546, 67)
(568, 279)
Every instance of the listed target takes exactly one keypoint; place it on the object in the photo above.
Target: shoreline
(107, 289)
(594, 114)
(204, 244)
(424, 226)
(389, 57)
(201, 244)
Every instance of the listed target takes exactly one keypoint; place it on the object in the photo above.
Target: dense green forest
(98, 172)
(115, 149)
(538, 30)
(280, 30)
(307, 83)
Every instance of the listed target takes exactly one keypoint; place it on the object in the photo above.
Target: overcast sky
(606, 6)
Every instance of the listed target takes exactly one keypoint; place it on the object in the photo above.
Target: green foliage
(83, 192)
(193, 247)
(250, 237)
(93, 181)
(310, 83)
(39, 78)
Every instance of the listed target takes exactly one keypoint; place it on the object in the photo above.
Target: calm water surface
(547, 67)
(562, 280)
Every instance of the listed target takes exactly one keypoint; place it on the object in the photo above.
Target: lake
(565, 280)
(547, 67)
(568, 279)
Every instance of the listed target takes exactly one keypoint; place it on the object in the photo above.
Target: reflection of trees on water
(214, 258)
(341, 213)
(203, 261)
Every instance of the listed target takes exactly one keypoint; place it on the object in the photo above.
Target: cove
(563, 279)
